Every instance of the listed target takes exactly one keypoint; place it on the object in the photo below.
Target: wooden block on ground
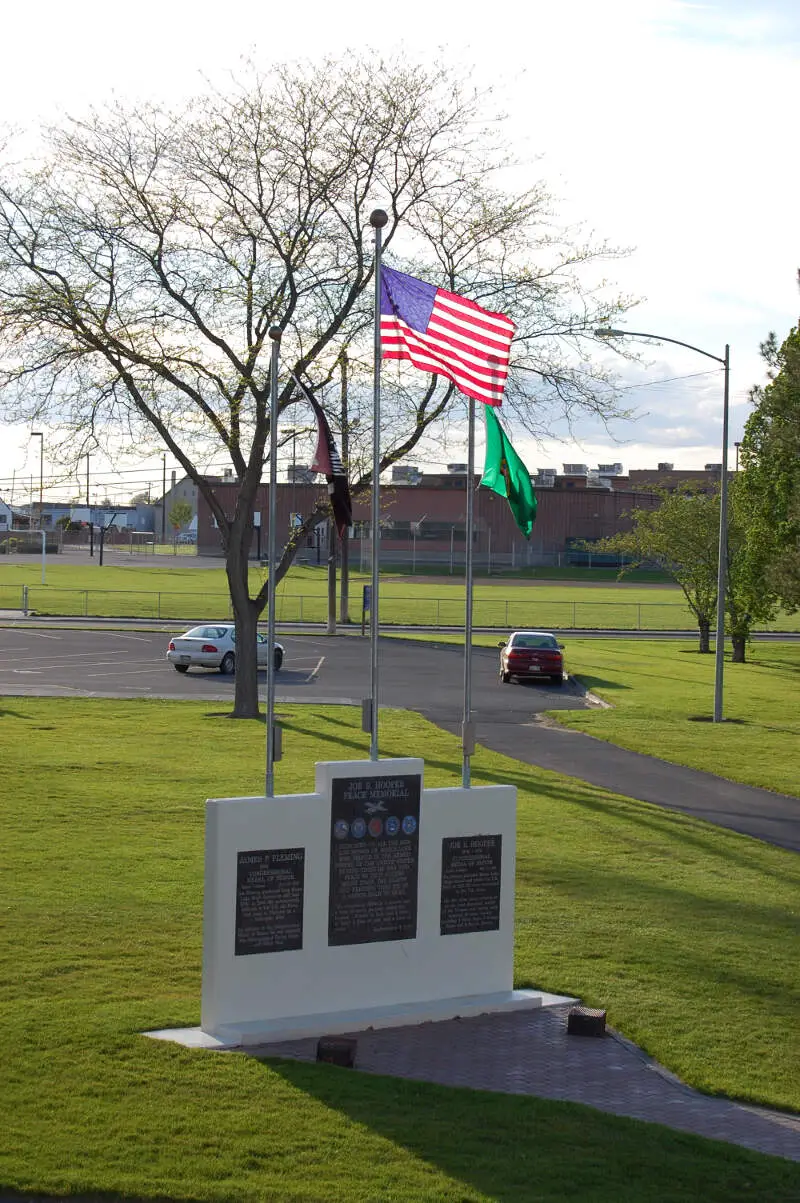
(586, 1021)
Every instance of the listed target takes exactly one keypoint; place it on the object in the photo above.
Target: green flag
(504, 473)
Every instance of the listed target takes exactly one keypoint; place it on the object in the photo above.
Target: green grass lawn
(659, 687)
(685, 932)
(177, 591)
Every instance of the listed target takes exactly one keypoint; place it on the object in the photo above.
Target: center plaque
(374, 859)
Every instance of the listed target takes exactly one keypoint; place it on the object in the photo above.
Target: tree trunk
(739, 644)
(705, 632)
(246, 618)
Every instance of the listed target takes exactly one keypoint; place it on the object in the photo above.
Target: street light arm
(662, 338)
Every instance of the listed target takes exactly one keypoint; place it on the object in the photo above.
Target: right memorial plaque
(470, 899)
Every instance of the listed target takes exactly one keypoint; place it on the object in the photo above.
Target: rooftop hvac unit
(406, 474)
(457, 469)
(713, 467)
(541, 481)
(575, 469)
(300, 474)
(546, 472)
(665, 467)
(610, 469)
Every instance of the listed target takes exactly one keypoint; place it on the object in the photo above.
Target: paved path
(756, 812)
(529, 1052)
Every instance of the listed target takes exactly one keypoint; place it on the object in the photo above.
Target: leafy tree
(770, 455)
(682, 537)
(679, 533)
(145, 257)
(751, 595)
(180, 513)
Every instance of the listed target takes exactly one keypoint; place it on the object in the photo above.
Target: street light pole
(722, 561)
(37, 434)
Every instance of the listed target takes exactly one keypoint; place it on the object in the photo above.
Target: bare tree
(146, 253)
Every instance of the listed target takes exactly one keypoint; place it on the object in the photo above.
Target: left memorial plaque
(269, 900)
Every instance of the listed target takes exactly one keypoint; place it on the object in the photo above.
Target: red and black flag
(327, 461)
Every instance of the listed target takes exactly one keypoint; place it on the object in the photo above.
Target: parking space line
(60, 659)
(133, 638)
(316, 669)
(124, 672)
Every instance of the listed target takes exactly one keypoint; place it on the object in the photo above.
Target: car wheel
(228, 663)
(277, 658)
(559, 680)
(181, 668)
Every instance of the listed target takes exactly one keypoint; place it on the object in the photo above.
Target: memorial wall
(370, 902)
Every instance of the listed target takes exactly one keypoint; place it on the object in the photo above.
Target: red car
(531, 654)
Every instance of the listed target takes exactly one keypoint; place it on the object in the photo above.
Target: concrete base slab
(298, 1027)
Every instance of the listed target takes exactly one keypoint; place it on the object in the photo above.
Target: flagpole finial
(378, 218)
(275, 333)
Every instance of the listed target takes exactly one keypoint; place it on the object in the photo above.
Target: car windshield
(533, 641)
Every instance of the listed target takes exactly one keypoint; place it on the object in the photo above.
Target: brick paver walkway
(529, 1052)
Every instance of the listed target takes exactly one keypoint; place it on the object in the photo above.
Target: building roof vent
(665, 467)
(575, 469)
(406, 474)
(457, 469)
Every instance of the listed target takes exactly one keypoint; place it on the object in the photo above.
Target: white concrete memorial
(372, 902)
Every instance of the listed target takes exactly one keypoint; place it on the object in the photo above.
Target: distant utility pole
(163, 498)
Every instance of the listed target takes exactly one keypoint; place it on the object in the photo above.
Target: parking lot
(428, 678)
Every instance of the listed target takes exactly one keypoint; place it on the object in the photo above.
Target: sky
(662, 126)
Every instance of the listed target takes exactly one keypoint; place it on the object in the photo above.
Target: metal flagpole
(467, 726)
(722, 562)
(377, 219)
(273, 752)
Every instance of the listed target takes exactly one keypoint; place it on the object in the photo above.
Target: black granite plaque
(374, 859)
(269, 900)
(470, 898)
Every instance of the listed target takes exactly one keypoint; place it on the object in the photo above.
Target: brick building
(423, 519)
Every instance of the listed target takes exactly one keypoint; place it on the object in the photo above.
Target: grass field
(685, 932)
(183, 592)
(658, 690)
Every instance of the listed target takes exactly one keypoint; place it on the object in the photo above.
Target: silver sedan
(214, 646)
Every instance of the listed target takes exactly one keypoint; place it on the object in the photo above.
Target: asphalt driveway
(425, 677)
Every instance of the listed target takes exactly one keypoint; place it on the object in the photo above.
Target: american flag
(441, 332)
